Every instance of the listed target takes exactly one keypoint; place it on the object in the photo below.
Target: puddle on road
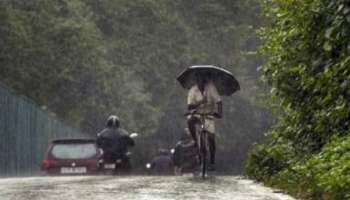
(135, 187)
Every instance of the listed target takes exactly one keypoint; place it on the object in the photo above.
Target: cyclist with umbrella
(206, 85)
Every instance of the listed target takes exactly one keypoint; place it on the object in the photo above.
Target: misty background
(78, 61)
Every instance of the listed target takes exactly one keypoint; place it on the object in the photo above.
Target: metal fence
(25, 132)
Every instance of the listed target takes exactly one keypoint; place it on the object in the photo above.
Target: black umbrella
(224, 81)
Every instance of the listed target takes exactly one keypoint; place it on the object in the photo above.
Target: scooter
(111, 164)
(150, 166)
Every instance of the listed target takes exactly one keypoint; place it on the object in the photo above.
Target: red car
(71, 156)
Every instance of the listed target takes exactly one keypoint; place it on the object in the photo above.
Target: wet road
(135, 187)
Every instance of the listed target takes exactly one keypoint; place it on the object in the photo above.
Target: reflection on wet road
(134, 187)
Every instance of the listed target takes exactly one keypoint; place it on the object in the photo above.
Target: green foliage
(54, 53)
(309, 79)
(331, 169)
(307, 45)
(321, 176)
(264, 161)
(50, 53)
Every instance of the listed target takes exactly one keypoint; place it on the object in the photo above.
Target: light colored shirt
(210, 97)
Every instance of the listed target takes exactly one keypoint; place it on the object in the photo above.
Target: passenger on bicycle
(185, 154)
(203, 98)
(162, 164)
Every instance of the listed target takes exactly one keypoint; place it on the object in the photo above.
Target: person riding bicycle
(203, 98)
(114, 141)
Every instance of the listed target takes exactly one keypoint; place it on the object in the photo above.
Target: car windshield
(74, 151)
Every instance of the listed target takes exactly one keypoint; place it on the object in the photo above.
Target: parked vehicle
(71, 156)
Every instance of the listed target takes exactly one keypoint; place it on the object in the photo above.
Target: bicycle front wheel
(204, 154)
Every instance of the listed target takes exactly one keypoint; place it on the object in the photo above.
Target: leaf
(341, 6)
(329, 32)
(327, 46)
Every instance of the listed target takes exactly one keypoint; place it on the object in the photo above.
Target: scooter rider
(114, 141)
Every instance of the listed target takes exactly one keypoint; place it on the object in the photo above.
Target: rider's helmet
(113, 121)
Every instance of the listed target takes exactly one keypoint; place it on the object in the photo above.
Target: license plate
(109, 166)
(73, 170)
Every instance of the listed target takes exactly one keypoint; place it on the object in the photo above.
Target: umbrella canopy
(224, 81)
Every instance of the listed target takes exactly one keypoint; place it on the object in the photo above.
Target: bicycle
(202, 141)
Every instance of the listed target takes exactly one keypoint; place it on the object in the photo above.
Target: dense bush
(331, 170)
(264, 161)
(322, 176)
(307, 45)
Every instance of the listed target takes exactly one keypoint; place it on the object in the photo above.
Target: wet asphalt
(135, 187)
